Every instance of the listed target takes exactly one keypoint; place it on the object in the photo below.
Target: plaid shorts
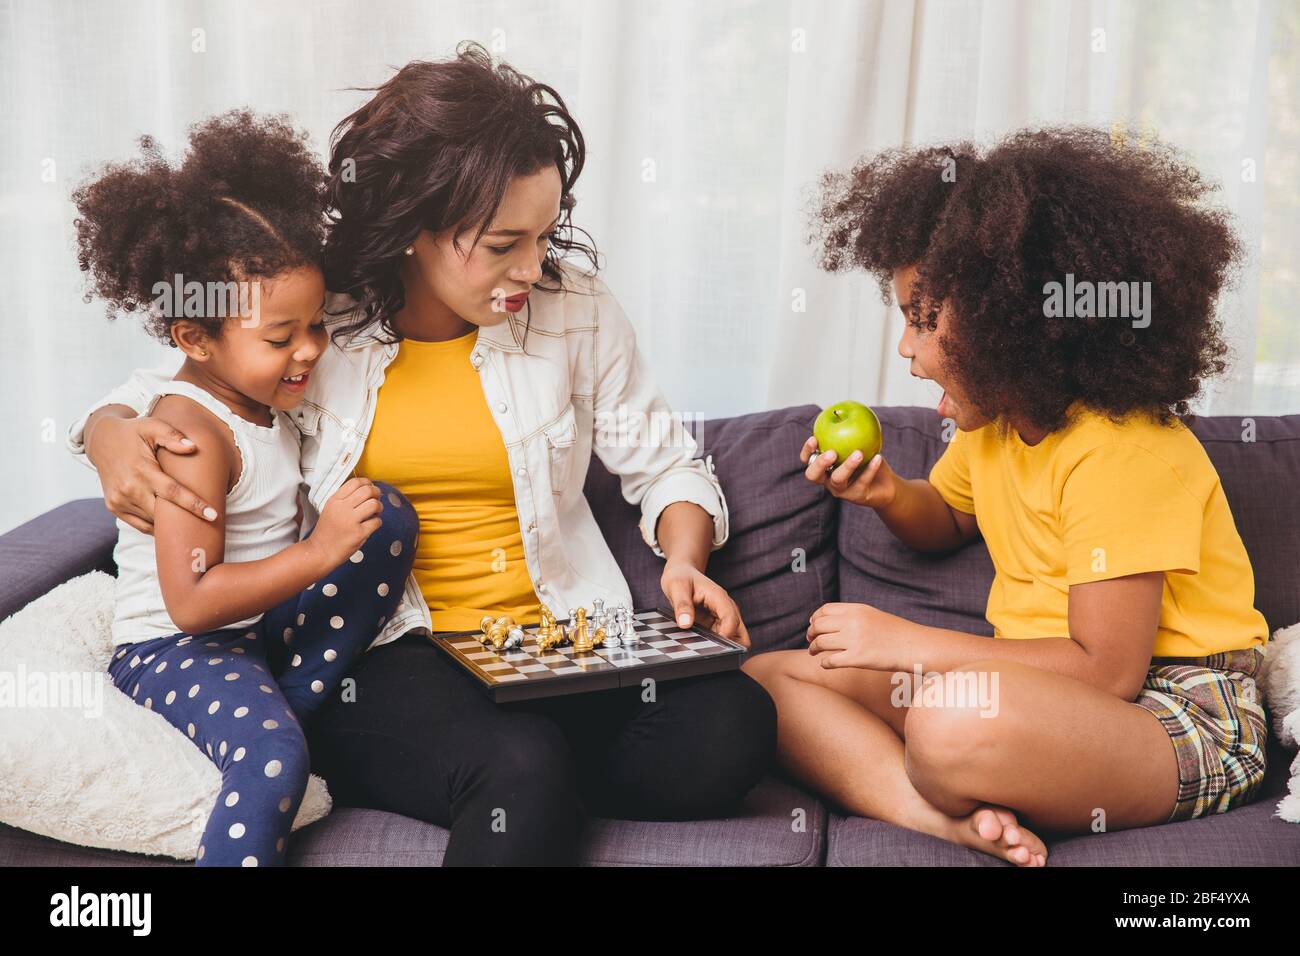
(1210, 707)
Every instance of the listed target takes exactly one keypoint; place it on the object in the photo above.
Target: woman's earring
(410, 250)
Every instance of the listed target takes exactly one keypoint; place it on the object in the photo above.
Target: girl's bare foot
(995, 831)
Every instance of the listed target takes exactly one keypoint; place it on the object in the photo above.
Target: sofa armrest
(72, 539)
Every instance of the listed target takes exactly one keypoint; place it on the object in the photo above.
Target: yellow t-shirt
(434, 439)
(1096, 500)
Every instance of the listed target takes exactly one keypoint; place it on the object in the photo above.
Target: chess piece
(496, 631)
(598, 618)
(514, 637)
(580, 633)
(549, 633)
(627, 627)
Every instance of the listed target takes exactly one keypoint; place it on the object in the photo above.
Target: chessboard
(666, 651)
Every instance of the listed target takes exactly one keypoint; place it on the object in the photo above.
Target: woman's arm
(124, 450)
(1112, 626)
(683, 511)
(685, 533)
(656, 465)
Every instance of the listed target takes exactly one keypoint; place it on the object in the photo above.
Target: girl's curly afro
(247, 202)
(988, 230)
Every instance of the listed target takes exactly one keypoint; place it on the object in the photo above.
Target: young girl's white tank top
(259, 517)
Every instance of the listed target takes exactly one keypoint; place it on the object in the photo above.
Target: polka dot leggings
(242, 696)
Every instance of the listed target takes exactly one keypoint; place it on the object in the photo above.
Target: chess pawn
(514, 636)
(627, 626)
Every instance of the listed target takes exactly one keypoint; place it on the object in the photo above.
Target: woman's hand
(125, 453)
(688, 588)
(859, 635)
(874, 486)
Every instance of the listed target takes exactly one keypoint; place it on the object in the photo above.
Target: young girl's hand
(346, 521)
(858, 635)
(873, 486)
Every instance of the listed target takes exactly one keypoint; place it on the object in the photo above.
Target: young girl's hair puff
(247, 202)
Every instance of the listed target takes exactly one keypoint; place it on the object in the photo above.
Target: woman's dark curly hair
(435, 148)
(246, 203)
(987, 230)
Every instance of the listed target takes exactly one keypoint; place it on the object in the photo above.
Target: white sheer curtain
(707, 125)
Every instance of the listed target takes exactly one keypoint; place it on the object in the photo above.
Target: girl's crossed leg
(1065, 755)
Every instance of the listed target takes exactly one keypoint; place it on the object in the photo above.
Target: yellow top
(434, 439)
(1097, 500)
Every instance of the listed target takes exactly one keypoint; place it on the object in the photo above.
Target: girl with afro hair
(219, 624)
(1061, 288)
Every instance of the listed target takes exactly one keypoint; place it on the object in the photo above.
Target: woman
(469, 368)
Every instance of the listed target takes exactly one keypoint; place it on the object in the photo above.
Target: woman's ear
(191, 339)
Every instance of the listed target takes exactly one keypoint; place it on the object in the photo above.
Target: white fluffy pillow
(105, 773)
(1281, 686)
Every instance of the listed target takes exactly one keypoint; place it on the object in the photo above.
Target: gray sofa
(779, 521)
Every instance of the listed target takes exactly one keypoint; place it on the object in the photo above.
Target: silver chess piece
(514, 637)
(625, 626)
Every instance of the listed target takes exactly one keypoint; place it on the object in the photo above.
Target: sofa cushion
(72, 539)
(952, 590)
(777, 825)
(88, 764)
(1260, 477)
(779, 563)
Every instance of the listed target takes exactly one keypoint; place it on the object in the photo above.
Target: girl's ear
(191, 339)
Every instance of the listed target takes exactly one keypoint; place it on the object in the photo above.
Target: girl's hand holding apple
(873, 486)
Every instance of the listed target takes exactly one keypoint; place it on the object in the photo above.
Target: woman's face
(922, 347)
(483, 282)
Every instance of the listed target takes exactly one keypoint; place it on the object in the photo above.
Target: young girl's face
(922, 347)
(268, 355)
(484, 282)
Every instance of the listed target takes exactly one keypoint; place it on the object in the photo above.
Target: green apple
(846, 427)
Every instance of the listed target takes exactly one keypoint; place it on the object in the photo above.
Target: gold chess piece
(580, 633)
(495, 630)
(549, 633)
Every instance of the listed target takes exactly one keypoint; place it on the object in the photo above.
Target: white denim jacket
(581, 368)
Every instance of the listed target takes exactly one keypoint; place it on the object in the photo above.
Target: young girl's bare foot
(995, 831)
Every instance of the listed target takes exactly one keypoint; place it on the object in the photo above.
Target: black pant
(514, 782)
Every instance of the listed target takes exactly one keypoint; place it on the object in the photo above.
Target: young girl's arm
(1112, 627)
(200, 591)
